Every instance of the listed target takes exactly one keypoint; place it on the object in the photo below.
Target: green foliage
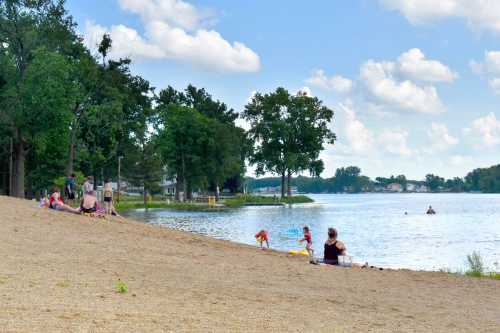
(121, 287)
(174, 205)
(199, 141)
(475, 264)
(79, 179)
(486, 180)
(289, 132)
(434, 182)
(254, 200)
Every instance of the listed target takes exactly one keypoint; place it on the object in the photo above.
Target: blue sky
(415, 89)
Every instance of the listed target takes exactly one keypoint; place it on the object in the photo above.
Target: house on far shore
(394, 187)
(416, 188)
(168, 187)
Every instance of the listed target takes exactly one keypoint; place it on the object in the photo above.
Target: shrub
(121, 287)
(475, 264)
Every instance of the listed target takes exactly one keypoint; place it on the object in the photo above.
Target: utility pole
(119, 179)
(11, 167)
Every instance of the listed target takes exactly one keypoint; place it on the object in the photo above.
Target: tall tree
(289, 132)
(29, 31)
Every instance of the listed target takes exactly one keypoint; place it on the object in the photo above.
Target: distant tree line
(350, 180)
(64, 109)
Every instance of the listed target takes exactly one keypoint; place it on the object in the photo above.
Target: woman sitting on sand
(89, 204)
(333, 248)
(55, 202)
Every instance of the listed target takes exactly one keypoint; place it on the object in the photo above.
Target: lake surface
(373, 227)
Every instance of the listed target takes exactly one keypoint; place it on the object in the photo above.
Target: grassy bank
(255, 200)
(476, 268)
(238, 201)
(185, 206)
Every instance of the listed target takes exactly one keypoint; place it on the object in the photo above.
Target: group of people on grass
(333, 248)
(89, 204)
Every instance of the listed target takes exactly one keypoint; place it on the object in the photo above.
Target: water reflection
(373, 226)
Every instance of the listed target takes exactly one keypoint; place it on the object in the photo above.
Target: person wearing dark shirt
(69, 187)
(333, 248)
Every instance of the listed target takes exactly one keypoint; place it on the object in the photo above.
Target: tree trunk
(189, 191)
(289, 184)
(145, 195)
(177, 188)
(283, 185)
(184, 188)
(19, 166)
(70, 167)
(217, 192)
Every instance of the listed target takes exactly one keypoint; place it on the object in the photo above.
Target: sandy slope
(58, 274)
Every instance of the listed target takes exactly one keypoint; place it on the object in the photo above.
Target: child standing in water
(262, 236)
(308, 239)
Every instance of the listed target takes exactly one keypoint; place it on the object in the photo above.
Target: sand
(58, 273)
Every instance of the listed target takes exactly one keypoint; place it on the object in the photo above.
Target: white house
(394, 187)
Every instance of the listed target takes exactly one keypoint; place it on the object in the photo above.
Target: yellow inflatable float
(299, 253)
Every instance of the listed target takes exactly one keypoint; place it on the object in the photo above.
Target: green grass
(186, 206)
(238, 201)
(476, 268)
(121, 287)
(256, 200)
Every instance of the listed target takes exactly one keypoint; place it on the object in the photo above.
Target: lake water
(373, 227)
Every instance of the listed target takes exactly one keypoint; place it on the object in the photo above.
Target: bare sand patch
(58, 273)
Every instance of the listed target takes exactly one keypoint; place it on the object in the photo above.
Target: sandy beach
(59, 272)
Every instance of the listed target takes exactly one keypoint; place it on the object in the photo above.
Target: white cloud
(490, 68)
(479, 14)
(383, 85)
(460, 160)
(495, 85)
(414, 65)
(486, 130)
(174, 29)
(360, 139)
(395, 142)
(177, 13)
(440, 138)
(490, 65)
(337, 83)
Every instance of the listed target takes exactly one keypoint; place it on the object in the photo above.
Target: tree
(33, 34)
(434, 182)
(308, 131)
(201, 145)
(348, 180)
(455, 185)
(289, 133)
(180, 140)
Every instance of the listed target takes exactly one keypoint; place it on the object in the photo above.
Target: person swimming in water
(431, 211)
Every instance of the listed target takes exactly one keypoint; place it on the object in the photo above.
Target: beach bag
(345, 261)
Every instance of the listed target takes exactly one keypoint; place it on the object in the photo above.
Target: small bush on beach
(121, 287)
(475, 265)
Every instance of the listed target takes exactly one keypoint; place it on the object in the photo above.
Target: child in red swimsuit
(308, 239)
(262, 236)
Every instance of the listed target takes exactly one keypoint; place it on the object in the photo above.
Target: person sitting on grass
(262, 236)
(56, 203)
(333, 248)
